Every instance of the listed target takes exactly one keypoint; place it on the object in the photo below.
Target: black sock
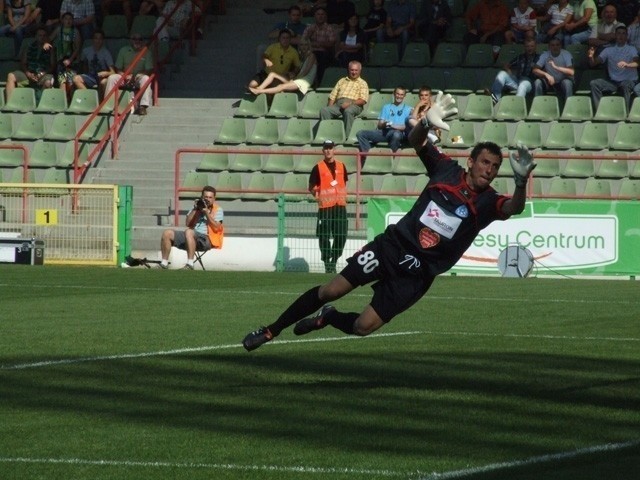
(305, 305)
(342, 321)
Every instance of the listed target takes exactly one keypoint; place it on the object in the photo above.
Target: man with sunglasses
(281, 58)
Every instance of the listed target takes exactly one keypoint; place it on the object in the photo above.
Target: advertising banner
(571, 237)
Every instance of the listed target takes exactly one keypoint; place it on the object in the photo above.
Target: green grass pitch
(139, 374)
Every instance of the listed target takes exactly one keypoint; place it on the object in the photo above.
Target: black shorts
(400, 280)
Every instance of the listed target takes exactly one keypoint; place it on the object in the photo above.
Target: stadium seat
(458, 80)
(408, 165)
(597, 187)
(538, 187)
(612, 169)
(6, 126)
(611, 109)
(17, 176)
(265, 132)
(629, 189)
(479, 55)
(627, 137)
(431, 76)
(508, 52)
(115, 26)
(373, 108)
(7, 49)
(421, 182)
(332, 129)
(123, 103)
(228, 185)
(485, 77)
(527, 133)
(358, 125)
(233, 131)
(297, 132)
(52, 100)
(63, 128)
(68, 152)
(214, 162)
(448, 54)
(562, 187)
(247, 161)
(495, 132)
(43, 154)
(11, 157)
(583, 84)
(579, 53)
(349, 156)
(379, 161)
(312, 103)
(365, 186)
(252, 106)
(383, 54)
(264, 183)
(393, 77)
(511, 108)
(372, 75)
(21, 100)
(305, 163)
(577, 168)
(284, 105)
(577, 108)
(31, 127)
(501, 185)
(278, 162)
(96, 129)
(634, 112)
(478, 107)
(594, 136)
(561, 136)
(54, 176)
(455, 33)
(84, 101)
(549, 165)
(416, 55)
(461, 134)
(330, 78)
(394, 184)
(296, 187)
(544, 108)
(195, 181)
(144, 25)
(634, 169)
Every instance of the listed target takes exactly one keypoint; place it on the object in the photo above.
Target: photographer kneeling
(204, 229)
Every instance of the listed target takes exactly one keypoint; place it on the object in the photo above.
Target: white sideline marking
(48, 363)
(212, 466)
(492, 467)
(297, 293)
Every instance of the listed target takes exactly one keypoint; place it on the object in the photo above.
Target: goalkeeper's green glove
(441, 108)
(522, 164)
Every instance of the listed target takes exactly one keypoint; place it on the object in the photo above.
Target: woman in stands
(303, 81)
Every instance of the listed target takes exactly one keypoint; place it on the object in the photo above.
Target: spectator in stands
(352, 42)
(279, 58)
(338, 12)
(151, 7)
(98, 65)
(401, 21)
(67, 43)
(621, 61)
(139, 74)
(36, 66)
(18, 16)
(302, 82)
(328, 185)
(47, 13)
(419, 112)
(583, 22)
(348, 97)
(633, 31)
(433, 21)
(517, 75)
(604, 35)
(118, 7)
(293, 24)
(186, 11)
(405, 259)
(392, 125)
(626, 10)
(541, 6)
(523, 23)
(323, 39)
(84, 15)
(487, 21)
(205, 230)
(554, 71)
(375, 25)
(558, 15)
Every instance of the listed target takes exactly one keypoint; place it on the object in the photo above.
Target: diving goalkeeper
(404, 260)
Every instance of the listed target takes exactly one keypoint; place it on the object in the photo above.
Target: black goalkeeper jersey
(447, 216)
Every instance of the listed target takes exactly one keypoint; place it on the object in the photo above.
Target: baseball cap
(328, 144)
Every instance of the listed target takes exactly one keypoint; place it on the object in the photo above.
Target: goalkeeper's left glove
(522, 164)
(441, 108)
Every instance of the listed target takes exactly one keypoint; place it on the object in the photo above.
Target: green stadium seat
(421, 182)
(7, 49)
(228, 185)
(379, 161)
(330, 78)
(373, 77)
(214, 162)
(583, 84)
(96, 129)
(579, 53)
(297, 132)
(31, 127)
(265, 132)
(394, 184)
(431, 76)
(478, 107)
(511, 108)
(252, 106)
(538, 186)
(549, 166)
(508, 52)
(458, 80)
(611, 109)
(634, 112)
(312, 104)
(393, 77)
(561, 136)
(578, 168)
(6, 126)
(373, 108)
(68, 152)
(278, 162)
(123, 103)
(455, 33)
(461, 134)
(544, 108)
(448, 54)
(383, 54)
(479, 55)
(144, 25)
(562, 187)
(233, 131)
(195, 182)
(629, 189)
(265, 185)
(284, 105)
(115, 26)
(612, 169)
(634, 169)
(358, 125)
(305, 163)
(408, 165)
(11, 157)
(495, 132)
(21, 100)
(296, 187)
(416, 55)
(247, 161)
(597, 187)
(332, 129)
(594, 136)
(577, 108)
(527, 133)
(43, 154)
(54, 176)
(17, 176)
(627, 137)
(485, 77)
(52, 100)
(501, 185)
(365, 185)
(348, 156)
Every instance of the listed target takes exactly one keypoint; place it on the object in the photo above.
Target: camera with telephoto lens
(202, 203)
